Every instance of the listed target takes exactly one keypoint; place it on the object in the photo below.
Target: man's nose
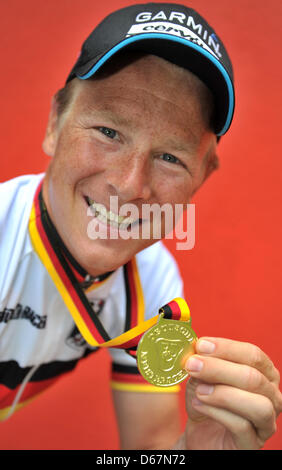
(130, 178)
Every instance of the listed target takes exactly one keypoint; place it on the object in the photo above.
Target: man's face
(141, 135)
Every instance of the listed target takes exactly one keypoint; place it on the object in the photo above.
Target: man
(139, 120)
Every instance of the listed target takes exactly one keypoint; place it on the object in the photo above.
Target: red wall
(233, 275)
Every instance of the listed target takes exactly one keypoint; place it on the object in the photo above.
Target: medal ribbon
(44, 239)
(177, 309)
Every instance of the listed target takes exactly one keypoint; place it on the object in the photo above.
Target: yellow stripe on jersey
(130, 387)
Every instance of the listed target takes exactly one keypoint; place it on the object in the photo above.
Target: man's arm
(147, 420)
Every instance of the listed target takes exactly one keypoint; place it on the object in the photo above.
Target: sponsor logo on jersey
(23, 313)
(97, 305)
(75, 340)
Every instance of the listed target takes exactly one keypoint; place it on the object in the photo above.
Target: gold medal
(163, 351)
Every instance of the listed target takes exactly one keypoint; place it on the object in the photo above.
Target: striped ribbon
(44, 239)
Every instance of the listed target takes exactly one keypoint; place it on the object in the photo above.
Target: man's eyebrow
(116, 118)
(181, 146)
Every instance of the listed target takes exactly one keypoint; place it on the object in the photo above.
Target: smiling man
(141, 133)
(139, 119)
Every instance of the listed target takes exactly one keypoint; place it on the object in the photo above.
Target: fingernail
(194, 365)
(205, 346)
(204, 389)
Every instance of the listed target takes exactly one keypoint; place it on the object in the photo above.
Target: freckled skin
(156, 108)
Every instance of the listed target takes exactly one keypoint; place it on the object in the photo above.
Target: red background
(233, 275)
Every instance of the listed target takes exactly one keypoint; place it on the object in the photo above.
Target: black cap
(171, 31)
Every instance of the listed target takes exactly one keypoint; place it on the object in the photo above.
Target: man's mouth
(110, 218)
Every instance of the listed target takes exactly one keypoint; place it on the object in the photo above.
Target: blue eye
(167, 157)
(108, 132)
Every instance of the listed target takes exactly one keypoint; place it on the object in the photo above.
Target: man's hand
(232, 397)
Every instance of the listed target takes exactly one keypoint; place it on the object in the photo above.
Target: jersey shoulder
(160, 277)
(16, 196)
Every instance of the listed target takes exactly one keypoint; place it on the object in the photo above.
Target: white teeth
(105, 216)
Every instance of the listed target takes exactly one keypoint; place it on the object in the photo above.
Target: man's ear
(212, 165)
(50, 140)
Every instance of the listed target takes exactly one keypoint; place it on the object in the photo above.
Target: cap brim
(185, 54)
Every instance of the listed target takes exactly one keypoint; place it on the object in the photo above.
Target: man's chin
(100, 256)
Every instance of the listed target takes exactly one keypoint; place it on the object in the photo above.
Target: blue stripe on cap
(202, 51)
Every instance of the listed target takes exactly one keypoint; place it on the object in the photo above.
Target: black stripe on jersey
(125, 369)
(12, 375)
